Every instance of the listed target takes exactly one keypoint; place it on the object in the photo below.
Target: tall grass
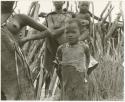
(107, 80)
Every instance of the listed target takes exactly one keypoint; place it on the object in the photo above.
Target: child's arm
(58, 60)
(59, 54)
(87, 54)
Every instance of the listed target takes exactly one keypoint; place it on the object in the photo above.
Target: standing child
(74, 59)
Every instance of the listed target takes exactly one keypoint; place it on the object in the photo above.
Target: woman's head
(73, 30)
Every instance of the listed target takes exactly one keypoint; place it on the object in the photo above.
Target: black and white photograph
(57, 50)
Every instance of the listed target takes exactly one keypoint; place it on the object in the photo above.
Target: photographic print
(55, 50)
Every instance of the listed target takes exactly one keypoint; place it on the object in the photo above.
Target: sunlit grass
(107, 80)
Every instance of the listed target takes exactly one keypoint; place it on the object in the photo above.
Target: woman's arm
(44, 34)
(37, 36)
(58, 32)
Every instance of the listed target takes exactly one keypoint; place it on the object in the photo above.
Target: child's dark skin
(84, 18)
(72, 35)
(83, 6)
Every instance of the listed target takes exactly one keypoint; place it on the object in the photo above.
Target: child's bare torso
(84, 19)
(74, 56)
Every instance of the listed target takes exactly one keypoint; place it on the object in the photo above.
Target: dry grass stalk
(109, 2)
(113, 27)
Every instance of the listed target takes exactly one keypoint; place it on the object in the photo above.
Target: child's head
(83, 6)
(58, 4)
(73, 30)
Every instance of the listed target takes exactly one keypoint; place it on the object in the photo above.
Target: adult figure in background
(54, 20)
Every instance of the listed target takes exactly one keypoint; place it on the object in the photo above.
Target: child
(74, 59)
(86, 24)
(84, 18)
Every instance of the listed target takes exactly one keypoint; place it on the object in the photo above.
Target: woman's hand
(49, 33)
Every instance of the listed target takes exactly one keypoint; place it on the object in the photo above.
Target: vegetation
(107, 80)
(106, 44)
